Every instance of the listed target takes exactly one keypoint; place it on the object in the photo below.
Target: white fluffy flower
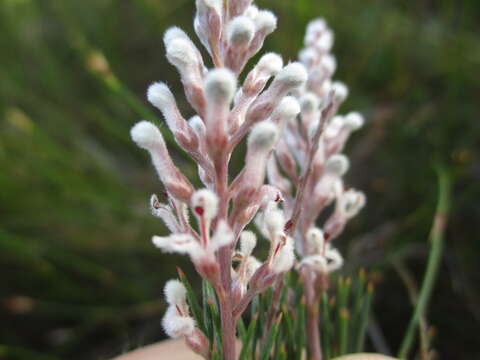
(284, 259)
(204, 203)
(146, 135)
(176, 325)
(175, 292)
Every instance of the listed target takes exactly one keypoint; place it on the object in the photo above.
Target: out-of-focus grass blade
(360, 341)
(326, 326)
(344, 319)
(207, 316)
(248, 338)
(267, 346)
(300, 330)
(242, 331)
(358, 299)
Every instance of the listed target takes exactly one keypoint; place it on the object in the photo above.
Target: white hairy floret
(285, 258)
(354, 120)
(329, 63)
(197, 124)
(176, 325)
(251, 12)
(220, 85)
(263, 136)
(223, 236)
(309, 102)
(146, 135)
(317, 26)
(315, 238)
(338, 164)
(160, 95)
(174, 33)
(334, 126)
(215, 4)
(341, 91)
(325, 42)
(293, 75)
(265, 21)
(176, 243)
(180, 52)
(288, 107)
(175, 292)
(352, 202)
(248, 241)
(308, 56)
(274, 221)
(270, 64)
(207, 201)
(334, 260)
(252, 265)
(241, 31)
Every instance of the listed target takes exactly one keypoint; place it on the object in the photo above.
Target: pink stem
(224, 257)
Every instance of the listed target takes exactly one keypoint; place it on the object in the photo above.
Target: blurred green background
(79, 277)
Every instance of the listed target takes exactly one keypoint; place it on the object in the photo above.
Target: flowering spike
(294, 134)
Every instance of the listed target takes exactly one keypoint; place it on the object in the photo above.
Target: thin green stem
(437, 243)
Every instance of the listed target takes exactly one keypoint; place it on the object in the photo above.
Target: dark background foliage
(79, 277)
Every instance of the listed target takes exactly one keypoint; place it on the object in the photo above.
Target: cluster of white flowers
(308, 156)
(294, 139)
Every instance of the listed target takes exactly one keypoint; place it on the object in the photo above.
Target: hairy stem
(224, 257)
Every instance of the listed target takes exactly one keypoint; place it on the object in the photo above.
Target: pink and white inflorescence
(287, 114)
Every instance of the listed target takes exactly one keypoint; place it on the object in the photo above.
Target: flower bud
(265, 21)
(325, 42)
(241, 30)
(176, 325)
(182, 54)
(220, 86)
(174, 33)
(341, 91)
(270, 64)
(284, 259)
(248, 241)
(161, 97)
(334, 260)
(146, 135)
(337, 164)
(292, 76)
(287, 110)
(175, 292)
(308, 57)
(315, 239)
(309, 103)
(316, 26)
(334, 126)
(329, 64)
(263, 136)
(274, 222)
(251, 12)
(352, 201)
(354, 121)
